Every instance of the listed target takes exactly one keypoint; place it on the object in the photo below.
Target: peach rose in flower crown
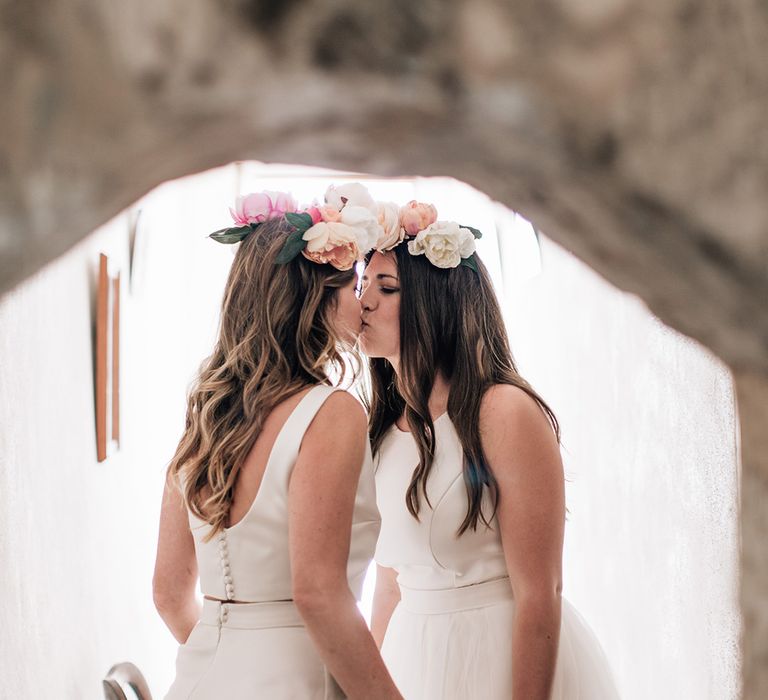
(258, 207)
(391, 233)
(332, 242)
(416, 216)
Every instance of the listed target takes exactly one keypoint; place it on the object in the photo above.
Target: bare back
(252, 472)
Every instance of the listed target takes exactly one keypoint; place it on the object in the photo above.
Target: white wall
(649, 435)
(647, 416)
(77, 537)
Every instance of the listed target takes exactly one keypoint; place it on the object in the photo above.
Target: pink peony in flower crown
(350, 224)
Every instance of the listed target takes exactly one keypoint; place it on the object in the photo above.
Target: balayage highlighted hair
(276, 336)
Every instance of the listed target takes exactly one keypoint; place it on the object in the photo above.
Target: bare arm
(173, 585)
(386, 596)
(321, 497)
(525, 459)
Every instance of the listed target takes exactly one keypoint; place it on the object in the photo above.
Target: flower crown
(350, 224)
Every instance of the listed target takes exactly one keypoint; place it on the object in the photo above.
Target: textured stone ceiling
(630, 132)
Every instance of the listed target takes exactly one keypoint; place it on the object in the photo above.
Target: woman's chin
(365, 347)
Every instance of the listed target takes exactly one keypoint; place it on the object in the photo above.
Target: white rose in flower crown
(444, 243)
(391, 233)
(365, 224)
(352, 194)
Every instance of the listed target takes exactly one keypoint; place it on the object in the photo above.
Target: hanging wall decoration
(137, 243)
(107, 361)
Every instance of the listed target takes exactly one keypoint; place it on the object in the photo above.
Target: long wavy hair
(276, 336)
(450, 322)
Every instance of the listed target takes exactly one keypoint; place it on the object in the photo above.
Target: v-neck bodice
(427, 553)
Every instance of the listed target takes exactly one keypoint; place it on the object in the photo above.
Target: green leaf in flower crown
(301, 222)
(233, 234)
(470, 262)
(293, 245)
(477, 233)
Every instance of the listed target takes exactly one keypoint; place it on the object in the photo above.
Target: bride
(469, 485)
(272, 474)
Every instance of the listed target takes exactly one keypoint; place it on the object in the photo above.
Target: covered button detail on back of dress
(226, 569)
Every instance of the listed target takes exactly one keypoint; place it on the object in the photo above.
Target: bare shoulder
(341, 418)
(513, 424)
(341, 405)
(508, 406)
(333, 446)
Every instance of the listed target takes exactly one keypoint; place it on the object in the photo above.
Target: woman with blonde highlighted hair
(269, 499)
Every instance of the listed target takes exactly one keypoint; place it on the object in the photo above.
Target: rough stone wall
(632, 132)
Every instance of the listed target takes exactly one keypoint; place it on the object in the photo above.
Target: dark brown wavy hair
(276, 336)
(450, 322)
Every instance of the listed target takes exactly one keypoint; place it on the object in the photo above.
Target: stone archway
(632, 132)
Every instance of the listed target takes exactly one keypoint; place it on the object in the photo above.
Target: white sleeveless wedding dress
(450, 636)
(260, 648)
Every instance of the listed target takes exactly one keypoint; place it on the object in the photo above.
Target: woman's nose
(363, 299)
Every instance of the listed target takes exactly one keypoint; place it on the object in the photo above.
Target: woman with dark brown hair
(469, 485)
(273, 472)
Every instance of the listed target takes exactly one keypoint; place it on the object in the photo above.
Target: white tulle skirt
(251, 650)
(457, 645)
